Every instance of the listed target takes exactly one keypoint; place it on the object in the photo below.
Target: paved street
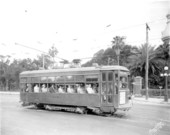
(142, 119)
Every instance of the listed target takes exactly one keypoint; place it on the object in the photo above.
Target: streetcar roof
(72, 70)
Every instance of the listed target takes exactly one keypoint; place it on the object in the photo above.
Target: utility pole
(146, 69)
(108, 61)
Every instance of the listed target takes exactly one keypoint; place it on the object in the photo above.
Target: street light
(166, 74)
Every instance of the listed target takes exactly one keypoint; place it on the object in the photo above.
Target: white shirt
(80, 90)
(60, 90)
(36, 89)
(44, 89)
(70, 90)
(90, 90)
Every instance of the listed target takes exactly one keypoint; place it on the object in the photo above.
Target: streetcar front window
(123, 82)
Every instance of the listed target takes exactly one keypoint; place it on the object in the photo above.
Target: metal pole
(118, 59)
(166, 89)
(108, 60)
(118, 54)
(146, 72)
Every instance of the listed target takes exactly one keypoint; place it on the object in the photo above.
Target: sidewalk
(10, 92)
(151, 101)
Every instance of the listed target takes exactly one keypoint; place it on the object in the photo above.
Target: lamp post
(166, 74)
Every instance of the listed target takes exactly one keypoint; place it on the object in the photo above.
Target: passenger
(36, 88)
(44, 89)
(61, 90)
(95, 87)
(90, 90)
(56, 88)
(51, 89)
(70, 89)
(28, 89)
(116, 86)
(80, 90)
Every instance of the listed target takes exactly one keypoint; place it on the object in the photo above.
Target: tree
(5, 71)
(162, 55)
(76, 62)
(39, 61)
(64, 62)
(138, 61)
(53, 53)
(118, 45)
(109, 56)
(95, 59)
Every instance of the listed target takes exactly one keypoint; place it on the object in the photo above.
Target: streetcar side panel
(92, 100)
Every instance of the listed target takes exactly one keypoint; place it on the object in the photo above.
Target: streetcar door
(107, 88)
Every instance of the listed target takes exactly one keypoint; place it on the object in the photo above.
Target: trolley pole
(146, 72)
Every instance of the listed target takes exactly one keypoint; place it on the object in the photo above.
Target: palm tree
(53, 53)
(117, 45)
(138, 62)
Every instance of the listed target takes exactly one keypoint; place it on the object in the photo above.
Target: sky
(77, 28)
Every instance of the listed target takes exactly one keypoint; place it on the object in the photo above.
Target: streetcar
(101, 89)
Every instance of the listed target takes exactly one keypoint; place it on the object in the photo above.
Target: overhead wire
(128, 27)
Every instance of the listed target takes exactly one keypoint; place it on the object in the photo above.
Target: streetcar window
(61, 88)
(103, 88)
(23, 80)
(69, 78)
(28, 79)
(51, 79)
(43, 87)
(123, 82)
(116, 83)
(110, 76)
(81, 88)
(52, 88)
(92, 88)
(60, 78)
(43, 79)
(110, 90)
(91, 78)
(29, 87)
(103, 76)
(95, 86)
(35, 79)
(36, 88)
(71, 88)
(110, 99)
(79, 78)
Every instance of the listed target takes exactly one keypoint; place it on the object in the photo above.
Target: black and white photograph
(85, 67)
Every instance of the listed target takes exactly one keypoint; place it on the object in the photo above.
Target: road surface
(140, 120)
